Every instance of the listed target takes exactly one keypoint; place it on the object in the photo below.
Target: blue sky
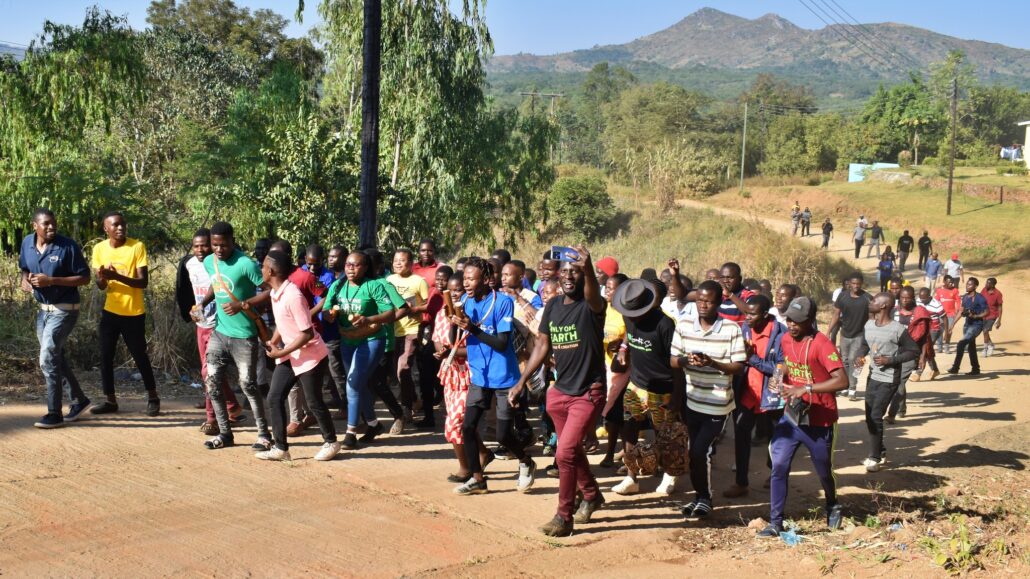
(549, 26)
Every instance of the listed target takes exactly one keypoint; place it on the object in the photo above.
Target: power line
(839, 32)
(13, 43)
(865, 30)
(870, 38)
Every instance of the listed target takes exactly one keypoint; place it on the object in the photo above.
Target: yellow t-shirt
(127, 259)
(414, 290)
(614, 329)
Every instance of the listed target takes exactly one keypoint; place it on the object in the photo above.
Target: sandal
(210, 429)
(217, 442)
(458, 479)
(591, 447)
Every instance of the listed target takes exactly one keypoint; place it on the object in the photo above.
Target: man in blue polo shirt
(52, 269)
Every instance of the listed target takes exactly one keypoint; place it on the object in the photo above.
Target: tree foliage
(580, 206)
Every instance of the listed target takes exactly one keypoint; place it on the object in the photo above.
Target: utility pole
(368, 181)
(951, 151)
(532, 110)
(743, 146)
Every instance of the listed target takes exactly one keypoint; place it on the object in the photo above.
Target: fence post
(1001, 195)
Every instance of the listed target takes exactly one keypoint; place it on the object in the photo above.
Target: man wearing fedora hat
(572, 329)
(654, 389)
(814, 373)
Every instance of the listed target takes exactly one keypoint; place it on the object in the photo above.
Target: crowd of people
(662, 365)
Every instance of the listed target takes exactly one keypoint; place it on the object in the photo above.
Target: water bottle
(775, 387)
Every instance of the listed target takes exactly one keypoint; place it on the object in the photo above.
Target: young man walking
(813, 374)
(850, 313)
(905, 244)
(235, 278)
(953, 267)
(932, 269)
(995, 305)
(710, 351)
(122, 274)
(859, 237)
(827, 233)
(204, 319)
(330, 333)
(925, 245)
(52, 270)
(890, 347)
(974, 310)
(949, 299)
(572, 329)
(806, 222)
(875, 237)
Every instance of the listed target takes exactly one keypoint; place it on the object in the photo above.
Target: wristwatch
(808, 388)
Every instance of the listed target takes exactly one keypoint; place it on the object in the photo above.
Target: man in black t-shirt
(905, 243)
(652, 391)
(850, 313)
(925, 247)
(572, 329)
(827, 233)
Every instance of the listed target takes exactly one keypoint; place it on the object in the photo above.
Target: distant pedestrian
(875, 237)
(953, 267)
(885, 269)
(994, 308)
(806, 222)
(925, 245)
(850, 313)
(933, 271)
(795, 218)
(827, 233)
(948, 296)
(905, 243)
(859, 237)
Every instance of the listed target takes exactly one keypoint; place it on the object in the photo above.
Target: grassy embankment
(986, 234)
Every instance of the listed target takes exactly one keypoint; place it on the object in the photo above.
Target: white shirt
(672, 309)
(953, 268)
(201, 281)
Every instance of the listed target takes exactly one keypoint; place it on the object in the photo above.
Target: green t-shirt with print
(242, 276)
(397, 301)
(367, 299)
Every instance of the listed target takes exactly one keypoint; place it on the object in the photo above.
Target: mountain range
(18, 52)
(721, 50)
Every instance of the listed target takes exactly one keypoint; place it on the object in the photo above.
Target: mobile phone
(560, 253)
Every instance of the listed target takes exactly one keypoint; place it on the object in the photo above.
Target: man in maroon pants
(572, 328)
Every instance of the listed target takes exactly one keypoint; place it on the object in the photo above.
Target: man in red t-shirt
(814, 374)
(949, 298)
(994, 307)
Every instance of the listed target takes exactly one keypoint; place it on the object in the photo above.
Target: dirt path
(132, 495)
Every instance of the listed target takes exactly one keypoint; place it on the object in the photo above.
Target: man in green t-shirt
(234, 282)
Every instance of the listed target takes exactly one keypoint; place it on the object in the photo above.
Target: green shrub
(1011, 169)
(580, 205)
(905, 158)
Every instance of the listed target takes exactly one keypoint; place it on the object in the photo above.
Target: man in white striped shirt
(710, 351)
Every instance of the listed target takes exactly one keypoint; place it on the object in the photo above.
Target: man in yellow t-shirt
(414, 290)
(121, 273)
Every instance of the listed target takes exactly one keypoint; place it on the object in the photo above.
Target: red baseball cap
(608, 265)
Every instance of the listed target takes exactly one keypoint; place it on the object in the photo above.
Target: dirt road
(132, 495)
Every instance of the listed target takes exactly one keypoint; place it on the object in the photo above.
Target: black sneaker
(557, 527)
(350, 441)
(153, 407)
(426, 424)
(770, 532)
(76, 410)
(835, 517)
(702, 508)
(50, 421)
(975, 372)
(502, 453)
(586, 509)
(370, 434)
(105, 407)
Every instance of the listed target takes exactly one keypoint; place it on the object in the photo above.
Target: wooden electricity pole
(371, 49)
(951, 151)
(743, 147)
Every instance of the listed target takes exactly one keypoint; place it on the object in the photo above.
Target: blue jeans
(786, 439)
(52, 331)
(360, 361)
(968, 342)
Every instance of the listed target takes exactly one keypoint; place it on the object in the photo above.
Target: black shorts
(480, 397)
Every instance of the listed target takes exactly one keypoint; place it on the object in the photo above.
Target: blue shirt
(329, 332)
(933, 268)
(976, 304)
(61, 258)
(490, 368)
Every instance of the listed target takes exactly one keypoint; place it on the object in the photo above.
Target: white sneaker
(872, 465)
(527, 475)
(329, 451)
(668, 485)
(628, 486)
(275, 453)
